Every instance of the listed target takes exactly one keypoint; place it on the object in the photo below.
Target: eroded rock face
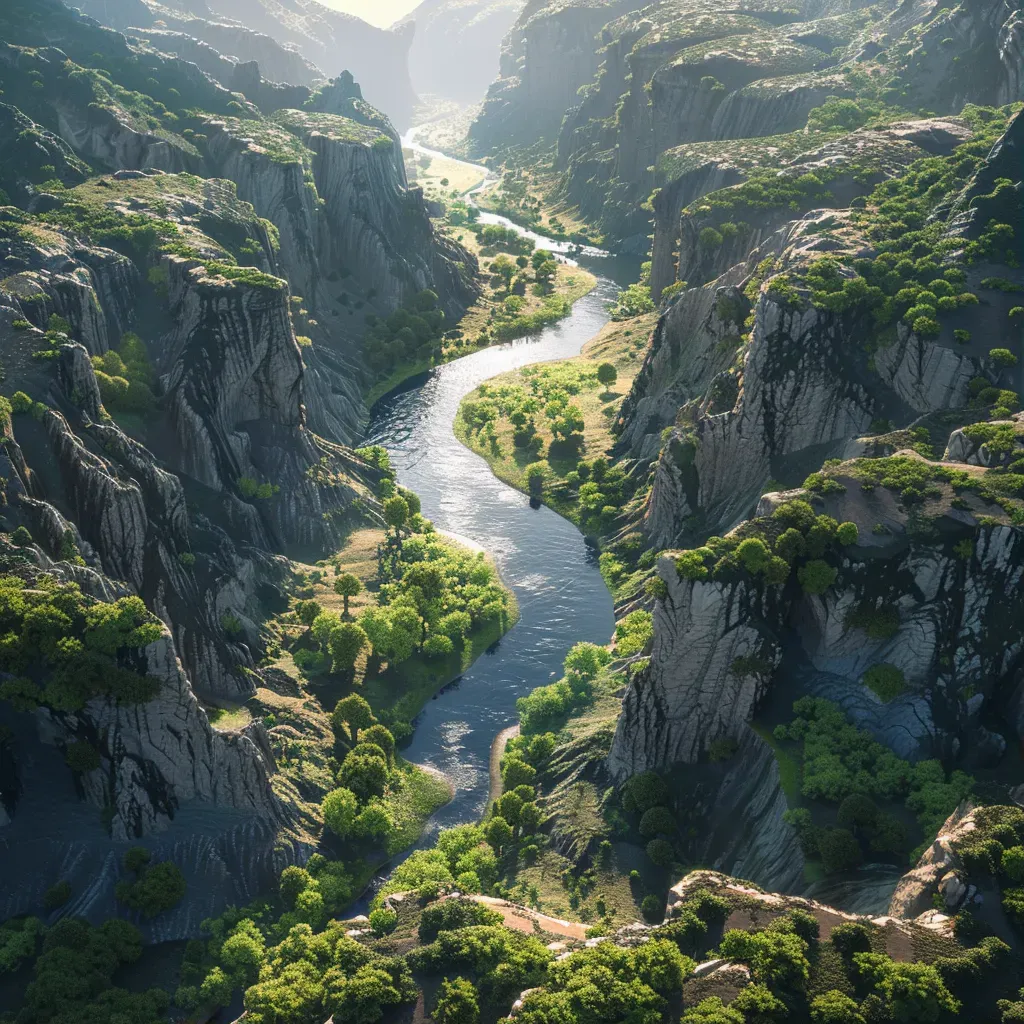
(939, 871)
(689, 695)
(718, 644)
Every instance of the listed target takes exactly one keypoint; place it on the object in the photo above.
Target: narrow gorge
(546, 551)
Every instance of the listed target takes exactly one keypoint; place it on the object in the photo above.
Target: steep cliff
(944, 566)
(548, 54)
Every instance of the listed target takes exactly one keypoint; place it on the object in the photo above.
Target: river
(541, 556)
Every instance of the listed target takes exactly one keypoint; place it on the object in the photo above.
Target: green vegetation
(155, 888)
(125, 377)
(61, 648)
(842, 765)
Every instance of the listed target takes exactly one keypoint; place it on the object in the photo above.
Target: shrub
(886, 681)
(851, 937)
(383, 921)
(82, 757)
(1013, 863)
(839, 850)
(657, 821)
(834, 1007)
(816, 576)
(21, 537)
(754, 554)
(1002, 357)
(690, 565)
(339, 809)
(57, 895)
(456, 1003)
(20, 402)
(155, 889)
(536, 473)
(652, 908)
(847, 533)
(643, 791)
(437, 645)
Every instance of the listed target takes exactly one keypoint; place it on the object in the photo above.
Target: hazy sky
(377, 12)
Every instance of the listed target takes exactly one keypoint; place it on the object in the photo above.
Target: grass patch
(230, 719)
(621, 344)
(412, 802)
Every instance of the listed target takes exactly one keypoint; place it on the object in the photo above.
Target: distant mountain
(457, 43)
(293, 39)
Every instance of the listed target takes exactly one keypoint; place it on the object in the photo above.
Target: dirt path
(523, 919)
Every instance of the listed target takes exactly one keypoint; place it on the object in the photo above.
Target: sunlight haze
(377, 12)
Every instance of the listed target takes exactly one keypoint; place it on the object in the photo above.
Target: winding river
(542, 557)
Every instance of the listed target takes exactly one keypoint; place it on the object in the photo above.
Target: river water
(541, 556)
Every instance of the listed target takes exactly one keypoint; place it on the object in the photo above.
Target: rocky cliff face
(719, 640)
(297, 44)
(547, 56)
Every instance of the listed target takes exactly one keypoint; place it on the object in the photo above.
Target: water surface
(541, 556)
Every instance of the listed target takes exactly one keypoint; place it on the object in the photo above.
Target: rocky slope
(667, 99)
(297, 44)
(950, 610)
(178, 314)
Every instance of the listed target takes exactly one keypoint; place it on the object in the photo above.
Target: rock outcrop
(719, 642)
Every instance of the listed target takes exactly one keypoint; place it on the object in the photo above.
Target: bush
(155, 889)
(1002, 357)
(816, 576)
(57, 895)
(20, 402)
(1012, 863)
(839, 850)
(652, 908)
(383, 921)
(661, 853)
(456, 1003)
(642, 792)
(437, 645)
(886, 681)
(340, 808)
(21, 537)
(850, 937)
(847, 533)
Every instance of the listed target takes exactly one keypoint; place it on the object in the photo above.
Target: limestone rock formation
(719, 642)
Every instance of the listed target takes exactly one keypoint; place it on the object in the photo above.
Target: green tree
(364, 774)
(340, 808)
(503, 267)
(498, 833)
(307, 611)
(457, 1003)
(216, 988)
(322, 627)
(396, 515)
(347, 585)
(383, 921)
(833, 1007)
(382, 737)
(607, 374)
(347, 641)
(376, 624)
(909, 991)
(351, 714)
